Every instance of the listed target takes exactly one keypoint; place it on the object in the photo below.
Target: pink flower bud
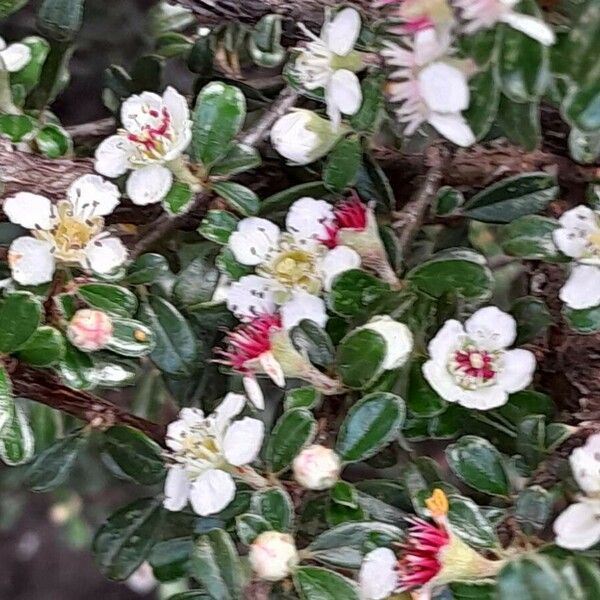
(273, 555)
(90, 330)
(316, 468)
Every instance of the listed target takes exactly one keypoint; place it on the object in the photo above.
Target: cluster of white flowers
(207, 453)
(579, 238)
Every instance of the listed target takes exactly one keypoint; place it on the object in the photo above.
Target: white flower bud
(90, 330)
(398, 338)
(317, 468)
(273, 555)
(302, 136)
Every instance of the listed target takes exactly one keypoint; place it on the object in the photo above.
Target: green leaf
(20, 315)
(479, 465)
(135, 453)
(197, 282)
(520, 122)
(240, 158)
(532, 316)
(473, 591)
(584, 147)
(316, 583)
(310, 339)
(524, 403)
(8, 7)
(249, 526)
(373, 185)
(7, 402)
(124, 541)
(179, 198)
(370, 424)
(170, 559)
(531, 237)
(583, 45)
(275, 506)
(229, 266)
(581, 107)
(302, 397)
(360, 358)
(201, 57)
(352, 291)
(281, 201)
(216, 565)
(531, 577)
(239, 197)
(341, 168)
(218, 117)
(448, 199)
(583, 321)
(16, 438)
(345, 494)
(218, 225)
(112, 299)
(469, 523)
(147, 268)
(53, 141)
(512, 198)
(369, 113)
(172, 44)
(60, 20)
(454, 271)
(44, 348)
(51, 467)
(485, 96)
(264, 43)
(16, 127)
(294, 430)
(29, 75)
(175, 351)
(421, 399)
(131, 338)
(524, 64)
(582, 577)
(533, 508)
(76, 368)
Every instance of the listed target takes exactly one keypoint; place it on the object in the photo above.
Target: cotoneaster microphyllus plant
(316, 329)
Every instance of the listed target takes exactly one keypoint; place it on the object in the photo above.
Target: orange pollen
(437, 504)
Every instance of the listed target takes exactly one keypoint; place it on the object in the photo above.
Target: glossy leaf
(530, 578)
(360, 357)
(239, 197)
(520, 122)
(275, 506)
(295, 429)
(112, 299)
(531, 237)
(20, 315)
(240, 158)
(218, 225)
(352, 291)
(44, 348)
(131, 338)
(469, 523)
(341, 168)
(179, 198)
(316, 583)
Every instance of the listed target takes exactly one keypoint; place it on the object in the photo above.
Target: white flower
(157, 130)
(431, 87)
(205, 454)
(13, 57)
(378, 575)
(578, 526)
(483, 14)
(273, 555)
(472, 366)
(302, 136)
(316, 468)
(330, 62)
(70, 233)
(579, 237)
(90, 330)
(398, 340)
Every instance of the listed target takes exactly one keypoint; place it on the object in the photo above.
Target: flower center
(153, 140)
(594, 243)
(201, 444)
(295, 268)
(473, 368)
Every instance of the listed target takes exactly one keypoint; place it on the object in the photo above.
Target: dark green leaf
(468, 522)
(131, 338)
(218, 225)
(584, 321)
(309, 338)
(281, 201)
(295, 429)
(16, 438)
(20, 315)
(16, 127)
(360, 358)
(316, 583)
(530, 577)
(148, 268)
(581, 107)
(179, 198)
(53, 141)
(485, 95)
(239, 197)
(60, 20)
(342, 164)
(7, 7)
(44, 348)
(352, 291)
(197, 282)
(448, 199)
(532, 316)
(520, 122)
(369, 113)
(533, 508)
(109, 298)
(531, 237)
(170, 559)
(249, 526)
(421, 398)
(275, 506)
(303, 397)
(240, 158)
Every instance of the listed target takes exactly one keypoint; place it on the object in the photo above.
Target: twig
(91, 130)
(165, 224)
(412, 214)
(44, 387)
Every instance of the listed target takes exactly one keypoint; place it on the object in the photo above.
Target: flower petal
(337, 261)
(582, 289)
(585, 465)
(343, 92)
(429, 44)
(272, 368)
(534, 28)
(577, 225)
(31, 261)
(578, 526)
(341, 33)
(212, 492)
(177, 488)
(31, 211)
(15, 57)
(494, 328)
(518, 367)
(149, 185)
(93, 196)
(112, 156)
(231, 406)
(105, 254)
(453, 127)
(310, 220)
(444, 88)
(253, 240)
(178, 108)
(135, 111)
(254, 392)
(446, 341)
(378, 576)
(398, 339)
(251, 296)
(243, 441)
(303, 306)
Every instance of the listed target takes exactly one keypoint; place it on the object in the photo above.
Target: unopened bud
(273, 555)
(317, 468)
(90, 330)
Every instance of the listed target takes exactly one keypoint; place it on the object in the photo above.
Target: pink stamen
(475, 363)
(150, 136)
(349, 214)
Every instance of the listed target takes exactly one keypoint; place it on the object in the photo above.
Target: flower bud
(273, 555)
(316, 468)
(302, 136)
(90, 330)
(398, 339)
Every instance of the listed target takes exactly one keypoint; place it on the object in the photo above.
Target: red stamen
(475, 363)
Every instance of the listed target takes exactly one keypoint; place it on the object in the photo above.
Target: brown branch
(44, 387)
(92, 130)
